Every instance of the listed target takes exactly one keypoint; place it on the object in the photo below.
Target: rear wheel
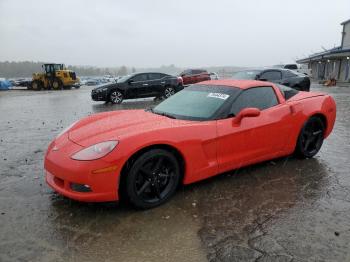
(36, 85)
(310, 138)
(152, 179)
(116, 97)
(169, 91)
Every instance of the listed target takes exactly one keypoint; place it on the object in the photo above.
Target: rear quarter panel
(306, 107)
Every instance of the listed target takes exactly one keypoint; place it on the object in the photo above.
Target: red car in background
(192, 76)
(204, 130)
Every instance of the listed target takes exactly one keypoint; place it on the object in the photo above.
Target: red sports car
(201, 131)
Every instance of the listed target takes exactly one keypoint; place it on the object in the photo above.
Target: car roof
(242, 84)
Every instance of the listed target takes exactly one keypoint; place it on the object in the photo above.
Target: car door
(138, 85)
(255, 138)
(155, 84)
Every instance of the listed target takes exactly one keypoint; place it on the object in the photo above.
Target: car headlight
(95, 151)
(66, 129)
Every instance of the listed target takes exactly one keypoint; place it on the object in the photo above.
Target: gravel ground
(281, 210)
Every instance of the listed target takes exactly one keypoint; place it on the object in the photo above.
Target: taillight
(180, 80)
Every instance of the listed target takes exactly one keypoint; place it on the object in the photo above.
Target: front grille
(72, 75)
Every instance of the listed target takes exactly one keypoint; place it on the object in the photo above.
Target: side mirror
(246, 112)
(130, 82)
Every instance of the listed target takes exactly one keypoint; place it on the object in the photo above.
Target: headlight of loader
(95, 151)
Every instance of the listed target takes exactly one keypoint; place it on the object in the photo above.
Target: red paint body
(195, 78)
(208, 148)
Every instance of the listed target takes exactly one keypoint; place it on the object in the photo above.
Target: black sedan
(280, 76)
(138, 85)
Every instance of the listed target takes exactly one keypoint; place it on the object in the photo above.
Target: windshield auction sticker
(218, 95)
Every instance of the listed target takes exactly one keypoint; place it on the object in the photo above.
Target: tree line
(27, 68)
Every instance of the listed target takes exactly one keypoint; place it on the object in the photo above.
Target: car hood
(116, 125)
(103, 86)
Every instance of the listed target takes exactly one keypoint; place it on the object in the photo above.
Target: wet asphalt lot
(280, 210)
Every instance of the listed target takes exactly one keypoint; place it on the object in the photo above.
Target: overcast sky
(161, 32)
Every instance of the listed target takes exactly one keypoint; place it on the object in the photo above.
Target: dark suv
(138, 85)
(192, 76)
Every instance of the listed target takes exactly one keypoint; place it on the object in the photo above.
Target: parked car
(213, 76)
(192, 76)
(280, 76)
(138, 85)
(303, 69)
(204, 130)
(91, 82)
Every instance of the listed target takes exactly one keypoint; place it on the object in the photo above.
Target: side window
(291, 66)
(154, 76)
(140, 77)
(258, 97)
(271, 75)
(187, 72)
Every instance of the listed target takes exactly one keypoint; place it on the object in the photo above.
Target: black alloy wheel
(116, 97)
(169, 91)
(311, 138)
(152, 179)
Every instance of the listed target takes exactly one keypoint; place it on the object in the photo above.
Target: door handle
(145, 84)
(162, 82)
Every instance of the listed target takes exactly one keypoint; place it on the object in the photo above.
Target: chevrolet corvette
(204, 130)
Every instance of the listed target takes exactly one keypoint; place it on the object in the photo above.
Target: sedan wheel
(116, 97)
(153, 178)
(169, 91)
(311, 138)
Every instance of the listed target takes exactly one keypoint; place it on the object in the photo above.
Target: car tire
(116, 97)
(152, 179)
(310, 138)
(168, 92)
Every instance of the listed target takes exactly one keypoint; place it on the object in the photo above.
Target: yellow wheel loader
(55, 76)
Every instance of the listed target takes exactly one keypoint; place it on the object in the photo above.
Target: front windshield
(124, 79)
(248, 74)
(196, 102)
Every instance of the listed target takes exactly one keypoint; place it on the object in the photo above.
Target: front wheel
(310, 138)
(116, 97)
(168, 92)
(57, 84)
(152, 179)
(36, 85)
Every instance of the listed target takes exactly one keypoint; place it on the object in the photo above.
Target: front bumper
(65, 175)
(99, 95)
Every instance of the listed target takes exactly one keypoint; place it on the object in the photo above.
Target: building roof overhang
(330, 54)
